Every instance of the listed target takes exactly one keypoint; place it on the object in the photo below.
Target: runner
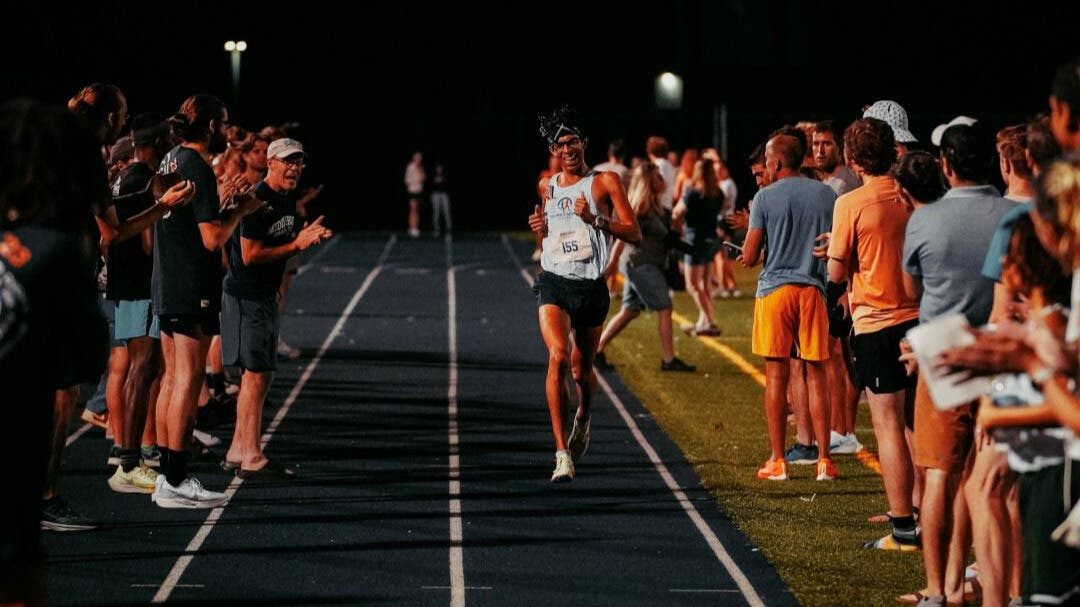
(581, 208)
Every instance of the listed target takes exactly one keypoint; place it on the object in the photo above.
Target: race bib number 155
(573, 245)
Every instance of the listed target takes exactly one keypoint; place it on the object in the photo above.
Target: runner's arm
(623, 222)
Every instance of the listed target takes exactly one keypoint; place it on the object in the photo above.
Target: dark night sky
(435, 76)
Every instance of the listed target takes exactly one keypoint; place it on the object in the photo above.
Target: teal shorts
(135, 319)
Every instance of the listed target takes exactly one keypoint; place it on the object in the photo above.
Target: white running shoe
(844, 444)
(190, 494)
(579, 438)
(564, 469)
(140, 480)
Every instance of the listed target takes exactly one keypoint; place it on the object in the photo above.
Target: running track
(418, 422)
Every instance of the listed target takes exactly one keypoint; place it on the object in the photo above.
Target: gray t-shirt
(792, 212)
(651, 250)
(619, 169)
(945, 245)
(843, 180)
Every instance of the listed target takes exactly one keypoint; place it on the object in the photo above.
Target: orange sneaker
(773, 470)
(826, 471)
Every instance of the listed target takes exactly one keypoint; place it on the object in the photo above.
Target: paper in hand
(931, 339)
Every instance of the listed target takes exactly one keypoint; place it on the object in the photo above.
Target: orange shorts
(942, 438)
(791, 322)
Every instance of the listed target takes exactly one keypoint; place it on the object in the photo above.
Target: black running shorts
(876, 359)
(586, 301)
(191, 325)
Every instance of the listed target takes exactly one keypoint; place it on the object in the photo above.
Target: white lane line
(76, 435)
(173, 579)
(691, 511)
(457, 565)
(311, 262)
(714, 543)
(448, 588)
(517, 262)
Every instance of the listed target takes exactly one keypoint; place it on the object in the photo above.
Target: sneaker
(564, 469)
(190, 494)
(889, 542)
(101, 420)
(707, 330)
(579, 438)
(286, 352)
(826, 471)
(57, 515)
(414, 233)
(773, 470)
(801, 454)
(151, 456)
(844, 444)
(736, 293)
(140, 480)
(676, 364)
(114, 456)
(719, 292)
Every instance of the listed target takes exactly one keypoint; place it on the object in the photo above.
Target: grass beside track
(811, 532)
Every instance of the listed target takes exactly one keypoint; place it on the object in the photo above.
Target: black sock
(903, 529)
(176, 471)
(129, 458)
(216, 381)
(163, 460)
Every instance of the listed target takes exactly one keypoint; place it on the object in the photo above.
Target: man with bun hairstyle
(186, 288)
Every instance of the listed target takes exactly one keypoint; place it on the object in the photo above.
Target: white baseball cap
(283, 148)
(939, 130)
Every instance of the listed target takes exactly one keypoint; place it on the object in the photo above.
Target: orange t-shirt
(868, 233)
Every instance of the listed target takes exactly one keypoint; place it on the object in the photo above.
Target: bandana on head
(564, 129)
(556, 125)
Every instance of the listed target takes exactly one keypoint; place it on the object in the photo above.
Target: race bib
(573, 245)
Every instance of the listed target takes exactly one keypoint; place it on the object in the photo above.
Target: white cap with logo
(283, 148)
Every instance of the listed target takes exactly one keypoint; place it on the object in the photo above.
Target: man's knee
(559, 358)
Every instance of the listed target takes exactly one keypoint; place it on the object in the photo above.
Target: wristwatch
(600, 222)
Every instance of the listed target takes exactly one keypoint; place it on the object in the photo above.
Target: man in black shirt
(130, 266)
(249, 317)
(186, 288)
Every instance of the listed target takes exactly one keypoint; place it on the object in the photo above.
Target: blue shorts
(135, 319)
(108, 310)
